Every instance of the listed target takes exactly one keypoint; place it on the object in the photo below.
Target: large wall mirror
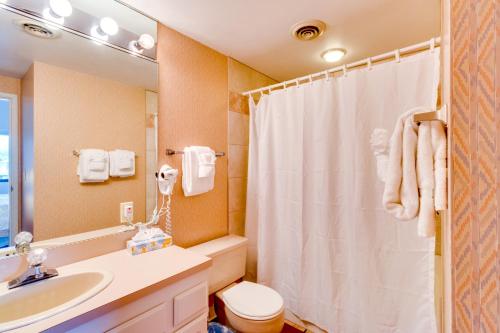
(70, 81)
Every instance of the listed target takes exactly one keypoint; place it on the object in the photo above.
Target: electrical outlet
(126, 212)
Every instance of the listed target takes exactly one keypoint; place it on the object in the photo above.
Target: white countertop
(131, 274)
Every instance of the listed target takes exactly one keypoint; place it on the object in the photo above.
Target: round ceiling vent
(37, 29)
(308, 30)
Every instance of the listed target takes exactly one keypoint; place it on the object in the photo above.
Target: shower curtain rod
(396, 54)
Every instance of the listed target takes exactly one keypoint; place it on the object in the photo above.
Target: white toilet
(248, 307)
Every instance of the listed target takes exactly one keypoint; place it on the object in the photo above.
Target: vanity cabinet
(181, 307)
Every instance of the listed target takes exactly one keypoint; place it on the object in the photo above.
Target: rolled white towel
(400, 197)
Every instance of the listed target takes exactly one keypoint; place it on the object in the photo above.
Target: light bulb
(108, 26)
(146, 41)
(97, 33)
(61, 8)
(49, 15)
(333, 55)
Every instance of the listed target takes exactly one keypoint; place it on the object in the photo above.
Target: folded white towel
(93, 166)
(121, 163)
(192, 183)
(400, 197)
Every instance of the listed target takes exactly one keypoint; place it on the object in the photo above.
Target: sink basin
(31, 303)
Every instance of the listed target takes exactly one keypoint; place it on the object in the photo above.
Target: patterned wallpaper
(475, 157)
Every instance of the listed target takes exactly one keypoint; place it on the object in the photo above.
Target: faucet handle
(23, 241)
(36, 257)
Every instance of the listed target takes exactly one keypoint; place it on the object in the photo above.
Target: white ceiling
(257, 33)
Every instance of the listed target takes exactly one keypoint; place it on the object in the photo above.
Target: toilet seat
(253, 301)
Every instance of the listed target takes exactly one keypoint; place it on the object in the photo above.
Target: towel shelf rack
(441, 115)
(170, 152)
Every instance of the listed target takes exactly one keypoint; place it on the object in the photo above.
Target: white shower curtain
(314, 207)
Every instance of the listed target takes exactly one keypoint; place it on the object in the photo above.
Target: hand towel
(425, 177)
(192, 183)
(400, 197)
(438, 137)
(93, 166)
(121, 163)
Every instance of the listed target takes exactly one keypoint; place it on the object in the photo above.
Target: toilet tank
(229, 254)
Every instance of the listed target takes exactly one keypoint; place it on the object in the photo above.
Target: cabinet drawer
(151, 321)
(190, 303)
(199, 325)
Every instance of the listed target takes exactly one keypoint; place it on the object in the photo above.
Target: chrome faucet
(36, 271)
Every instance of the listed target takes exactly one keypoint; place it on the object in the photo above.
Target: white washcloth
(400, 197)
(192, 183)
(206, 161)
(121, 163)
(93, 166)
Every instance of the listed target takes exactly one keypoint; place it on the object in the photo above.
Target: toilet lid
(253, 301)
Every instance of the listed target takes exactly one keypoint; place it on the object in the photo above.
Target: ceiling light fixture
(333, 55)
(57, 11)
(145, 42)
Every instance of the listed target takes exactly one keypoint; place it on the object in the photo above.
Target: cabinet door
(151, 321)
(199, 325)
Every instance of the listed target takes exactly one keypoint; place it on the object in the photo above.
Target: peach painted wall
(193, 102)
(10, 85)
(73, 111)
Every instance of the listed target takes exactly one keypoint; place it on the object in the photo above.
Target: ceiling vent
(308, 30)
(37, 29)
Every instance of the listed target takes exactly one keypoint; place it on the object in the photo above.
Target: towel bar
(76, 153)
(441, 115)
(170, 152)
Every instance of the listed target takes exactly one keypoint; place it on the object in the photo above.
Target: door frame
(13, 164)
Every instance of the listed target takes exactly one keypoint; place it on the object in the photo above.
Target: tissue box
(148, 245)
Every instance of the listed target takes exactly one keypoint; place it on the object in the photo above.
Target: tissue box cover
(148, 245)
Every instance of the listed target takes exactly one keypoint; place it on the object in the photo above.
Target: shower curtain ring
(310, 79)
(261, 93)
(327, 76)
(397, 55)
(344, 70)
(297, 83)
(369, 64)
(432, 44)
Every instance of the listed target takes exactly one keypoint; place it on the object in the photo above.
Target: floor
(293, 328)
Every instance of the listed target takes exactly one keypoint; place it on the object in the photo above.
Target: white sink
(30, 303)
